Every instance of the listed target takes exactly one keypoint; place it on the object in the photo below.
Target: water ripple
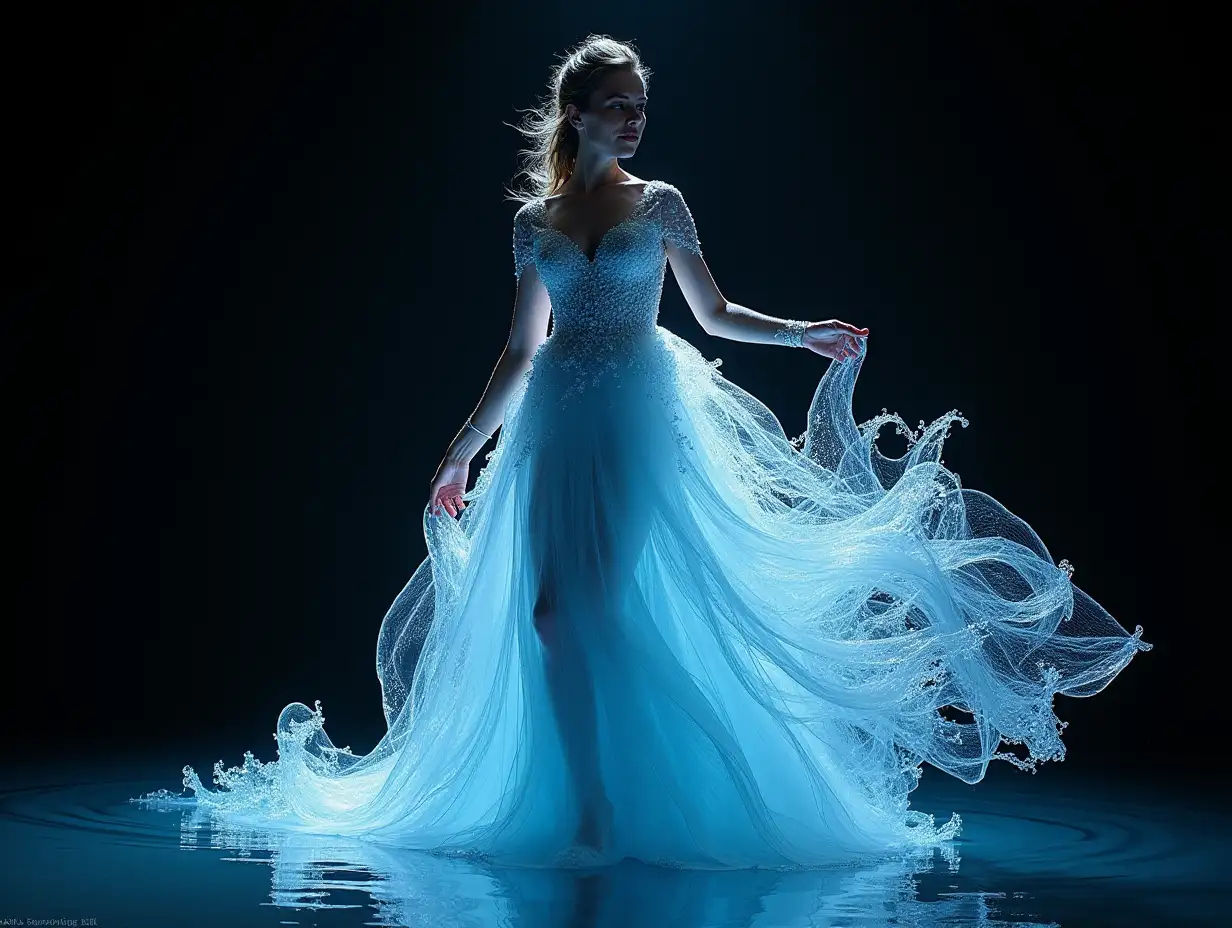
(1026, 858)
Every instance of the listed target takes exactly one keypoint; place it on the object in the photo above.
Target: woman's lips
(629, 138)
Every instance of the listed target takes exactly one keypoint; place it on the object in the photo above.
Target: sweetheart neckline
(633, 214)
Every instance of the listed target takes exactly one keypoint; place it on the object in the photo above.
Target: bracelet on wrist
(472, 425)
(792, 333)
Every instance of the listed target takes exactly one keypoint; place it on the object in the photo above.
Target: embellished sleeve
(677, 221)
(523, 240)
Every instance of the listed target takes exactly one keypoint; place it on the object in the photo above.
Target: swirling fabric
(765, 638)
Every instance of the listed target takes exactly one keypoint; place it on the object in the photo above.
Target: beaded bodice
(618, 291)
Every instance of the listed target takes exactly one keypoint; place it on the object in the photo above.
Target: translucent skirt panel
(748, 646)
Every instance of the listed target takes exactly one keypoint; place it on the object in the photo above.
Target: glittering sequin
(792, 334)
(778, 634)
(605, 309)
(661, 204)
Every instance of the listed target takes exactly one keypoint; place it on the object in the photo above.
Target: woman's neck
(592, 170)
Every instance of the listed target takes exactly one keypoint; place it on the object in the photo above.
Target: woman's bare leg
(604, 563)
(571, 691)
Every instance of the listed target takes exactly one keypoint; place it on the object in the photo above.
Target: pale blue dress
(771, 637)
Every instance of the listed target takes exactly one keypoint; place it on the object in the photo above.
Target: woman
(657, 628)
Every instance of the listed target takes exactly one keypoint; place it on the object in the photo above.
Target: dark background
(264, 272)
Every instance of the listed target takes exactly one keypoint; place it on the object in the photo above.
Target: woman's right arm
(531, 312)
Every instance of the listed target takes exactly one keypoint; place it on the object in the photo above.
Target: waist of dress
(610, 351)
(602, 337)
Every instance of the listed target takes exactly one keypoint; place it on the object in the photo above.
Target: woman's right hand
(448, 486)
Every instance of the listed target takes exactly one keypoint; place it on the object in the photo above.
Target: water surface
(1034, 851)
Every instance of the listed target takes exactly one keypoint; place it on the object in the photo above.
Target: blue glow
(750, 647)
(1035, 851)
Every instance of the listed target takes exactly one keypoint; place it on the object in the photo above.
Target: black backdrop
(264, 272)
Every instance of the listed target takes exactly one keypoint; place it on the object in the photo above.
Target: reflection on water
(1026, 858)
(414, 888)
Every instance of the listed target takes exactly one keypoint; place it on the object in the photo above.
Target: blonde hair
(549, 160)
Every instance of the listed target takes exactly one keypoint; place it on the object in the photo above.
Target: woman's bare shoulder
(634, 184)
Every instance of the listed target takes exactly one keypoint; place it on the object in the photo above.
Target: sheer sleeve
(677, 220)
(523, 239)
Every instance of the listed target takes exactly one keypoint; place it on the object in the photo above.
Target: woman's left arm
(719, 316)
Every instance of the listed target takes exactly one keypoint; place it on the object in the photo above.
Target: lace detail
(661, 204)
(566, 368)
(604, 309)
(604, 303)
(523, 238)
(677, 220)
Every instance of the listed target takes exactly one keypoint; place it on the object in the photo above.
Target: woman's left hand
(835, 339)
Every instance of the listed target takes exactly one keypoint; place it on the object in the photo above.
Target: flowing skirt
(747, 646)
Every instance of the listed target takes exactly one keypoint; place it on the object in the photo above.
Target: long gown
(761, 640)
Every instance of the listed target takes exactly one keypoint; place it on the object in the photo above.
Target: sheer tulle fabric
(770, 637)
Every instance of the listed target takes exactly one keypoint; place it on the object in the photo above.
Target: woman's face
(616, 116)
